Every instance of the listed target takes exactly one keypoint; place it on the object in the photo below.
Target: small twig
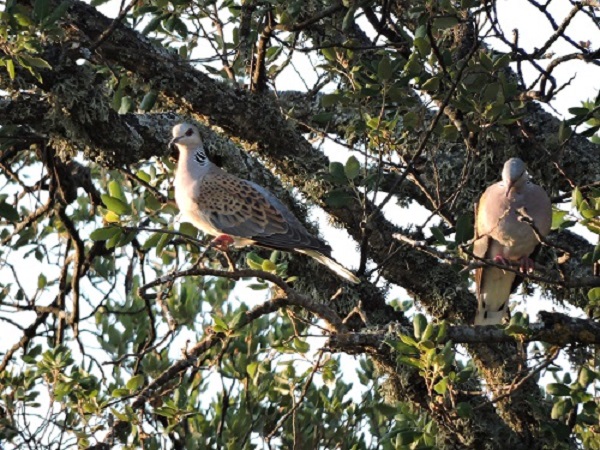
(292, 297)
(429, 132)
(113, 26)
(514, 267)
(35, 215)
(297, 404)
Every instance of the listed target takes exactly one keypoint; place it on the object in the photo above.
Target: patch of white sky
(513, 14)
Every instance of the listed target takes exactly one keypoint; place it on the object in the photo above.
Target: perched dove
(238, 211)
(501, 236)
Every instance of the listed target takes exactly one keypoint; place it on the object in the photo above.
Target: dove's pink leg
(501, 260)
(222, 242)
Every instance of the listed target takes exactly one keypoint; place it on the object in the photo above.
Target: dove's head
(514, 174)
(186, 135)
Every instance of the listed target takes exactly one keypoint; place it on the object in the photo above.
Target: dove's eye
(189, 132)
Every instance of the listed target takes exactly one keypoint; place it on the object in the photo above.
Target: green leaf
(165, 238)
(442, 23)
(165, 411)
(113, 241)
(23, 19)
(352, 168)
(423, 46)
(464, 228)
(98, 2)
(428, 332)
(586, 376)
(252, 368)
(413, 362)
(561, 408)
(121, 392)
(330, 100)
(502, 62)
(254, 261)
(441, 386)
(9, 212)
(339, 198)
(486, 61)
(577, 198)
(438, 235)
(111, 217)
(152, 241)
(433, 84)
(373, 123)
(384, 69)
(10, 68)
(115, 205)
(336, 169)
(42, 281)
(126, 105)
(442, 330)
(153, 24)
(421, 31)
(408, 340)
(594, 295)
(464, 410)
(558, 389)
(144, 176)
(329, 53)
(590, 131)
(410, 120)
(40, 9)
(401, 347)
(558, 218)
(577, 111)
(301, 346)
(34, 61)
(419, 325)
(413, 66)
(268, 266)
(490, 92)
(135, 382)
(116, 190)
(58, 12)
(220, 325)
(404, 438)
(103, 234)
(323, 117)
(348, 21)
(564, 132)
(149, 100)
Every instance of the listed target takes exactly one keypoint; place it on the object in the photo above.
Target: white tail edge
(332, 264)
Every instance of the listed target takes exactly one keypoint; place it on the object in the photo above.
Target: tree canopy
(122, 328)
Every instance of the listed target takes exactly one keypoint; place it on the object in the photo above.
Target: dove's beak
(174, 141)
(173, 150)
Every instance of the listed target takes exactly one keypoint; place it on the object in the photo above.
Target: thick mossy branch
(552, 328)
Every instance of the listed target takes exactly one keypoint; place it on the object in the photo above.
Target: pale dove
(501, 236)
(238, 211)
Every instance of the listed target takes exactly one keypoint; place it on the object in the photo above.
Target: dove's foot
(527, 265)
(222, 242)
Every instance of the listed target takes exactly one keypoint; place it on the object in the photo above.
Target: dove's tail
(332, 264)
(493, 292)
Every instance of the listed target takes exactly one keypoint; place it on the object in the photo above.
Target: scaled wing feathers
(241, 208)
